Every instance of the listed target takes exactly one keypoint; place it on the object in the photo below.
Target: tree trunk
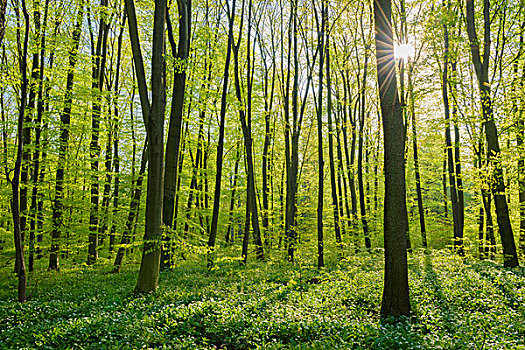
(36, 178)
(510, 257)
(320, 194)
(171, 164)
(419, 193)
(116, 158)
(220, 146)
(133, 211)
(458, 229)
(150, 265)
(20, 268)
(229, 232)
(395, 299)
(362, 195)
(333, 174)
(97, 76)
(65, 120)
(245, 119)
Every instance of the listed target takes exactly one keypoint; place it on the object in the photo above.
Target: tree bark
(133, 211)
(171, 164)
(510, 257)
(419, 192)
(333, 174)
(245, 119)
(150, 265)
(97, 76)
(220, 146)
(395, 299)
(20, 268)
(362, 195)
(320, 193)
(65, 120)
(458, 228)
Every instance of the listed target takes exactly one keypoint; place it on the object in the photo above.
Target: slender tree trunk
(65, 120)
(350, 153)
(220, 146)
(266, 171)
(362, 195)
(35, 195)
(20, 268)
(519, 85)
(444, 183)
(342, 177)
(245, 119)
(97, 76)
(229, 231)
(419, 192)
(458, 229)
(171, 164)
(395, 299)
(320, 194)
(134, 207)
(333, 174)
(510, 257)
(116, 158)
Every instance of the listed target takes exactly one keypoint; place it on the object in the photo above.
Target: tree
(154, 121)
(395, 299)
(65, 120)
(220, 146)
(20, 268)
(320, 195)
(452, 174)
(177, 108)
(481, 67)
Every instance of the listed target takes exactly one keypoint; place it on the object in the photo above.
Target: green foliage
(457, 305)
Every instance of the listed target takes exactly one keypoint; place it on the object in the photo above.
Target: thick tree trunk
(150, 265)
(3, 6)
(395, 299)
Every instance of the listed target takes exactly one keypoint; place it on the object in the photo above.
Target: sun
(404, 51)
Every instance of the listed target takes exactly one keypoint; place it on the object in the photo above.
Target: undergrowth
(456, 304)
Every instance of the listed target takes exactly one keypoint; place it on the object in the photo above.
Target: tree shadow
(502, 284)
(447, 317)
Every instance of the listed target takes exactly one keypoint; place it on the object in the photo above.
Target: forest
(275, 174)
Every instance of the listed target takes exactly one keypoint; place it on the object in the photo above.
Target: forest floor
(457, 304)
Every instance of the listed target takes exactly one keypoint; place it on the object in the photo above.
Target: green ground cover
(456, 305)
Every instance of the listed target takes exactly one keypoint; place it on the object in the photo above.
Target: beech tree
(395, 299)
(481, 66)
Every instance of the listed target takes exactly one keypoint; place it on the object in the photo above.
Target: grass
(457, 304)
